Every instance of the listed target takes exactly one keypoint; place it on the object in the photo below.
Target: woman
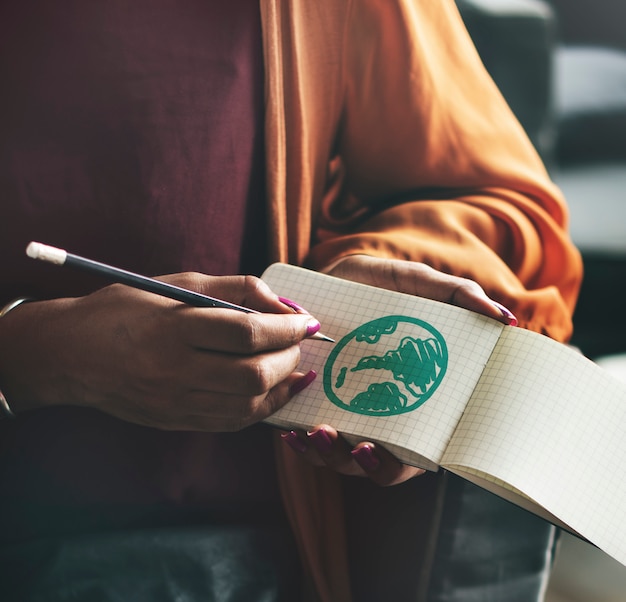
(361, 138)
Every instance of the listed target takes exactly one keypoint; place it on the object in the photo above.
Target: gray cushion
(590, 103)
(515, 40)
(596, 195)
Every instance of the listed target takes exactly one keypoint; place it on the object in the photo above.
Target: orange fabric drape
(385, 136)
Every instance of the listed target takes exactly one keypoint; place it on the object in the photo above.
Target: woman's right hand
(154, 361)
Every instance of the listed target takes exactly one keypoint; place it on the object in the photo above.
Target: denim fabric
(487, 549)
(216, 564)
(438, 538)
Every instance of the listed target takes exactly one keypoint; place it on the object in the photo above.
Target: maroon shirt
(131, 132)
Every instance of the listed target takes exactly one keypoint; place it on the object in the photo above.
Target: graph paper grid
(343, 306)
(517, 413)
(550, 423)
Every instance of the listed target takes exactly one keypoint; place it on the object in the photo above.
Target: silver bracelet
(13, 304)
(5, 409)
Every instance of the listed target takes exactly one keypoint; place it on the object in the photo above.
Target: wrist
(5, 408)
(32, 345)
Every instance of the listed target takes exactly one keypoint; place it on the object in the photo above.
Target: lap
(191, 564)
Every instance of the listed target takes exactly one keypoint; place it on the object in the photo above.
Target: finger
(247, 291)
(245, 375)
(332, 450)
(323, 447)
(471, 296)
(219, 412)
(414, 278)
(281, 394)
(232, 331)
(381, 466)
(422, 280)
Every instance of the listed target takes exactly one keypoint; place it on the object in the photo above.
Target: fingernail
(292, 439)
(366, 458)
(313, 326)
(511, 319)
(302, 383)
(321, 441)
(293, 305)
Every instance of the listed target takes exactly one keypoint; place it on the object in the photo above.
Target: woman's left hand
(323, 446)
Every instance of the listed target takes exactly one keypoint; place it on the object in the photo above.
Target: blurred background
(561, 65)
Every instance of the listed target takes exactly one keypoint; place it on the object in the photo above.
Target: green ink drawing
(404, 360)
(414, 362)
(380, 397)
(372, 331)
(341, 378)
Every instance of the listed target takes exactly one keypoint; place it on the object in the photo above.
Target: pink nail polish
(321, 440)
(302, 383)
(312, 327)
(293, 305)
(366, 458)
(292, 439)
(512, 320)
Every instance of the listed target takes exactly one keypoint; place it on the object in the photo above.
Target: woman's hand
(322, 446)
(154, 361)
(420, 280)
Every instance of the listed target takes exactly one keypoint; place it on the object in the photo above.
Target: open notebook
(513, 411)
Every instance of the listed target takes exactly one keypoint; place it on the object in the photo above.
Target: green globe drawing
(385, 367)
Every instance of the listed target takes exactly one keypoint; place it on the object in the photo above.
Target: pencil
(57, 256)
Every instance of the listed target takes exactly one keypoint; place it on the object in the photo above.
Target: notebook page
(552, 425)
(385, 378)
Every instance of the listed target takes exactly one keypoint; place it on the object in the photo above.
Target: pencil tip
(322, 337)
